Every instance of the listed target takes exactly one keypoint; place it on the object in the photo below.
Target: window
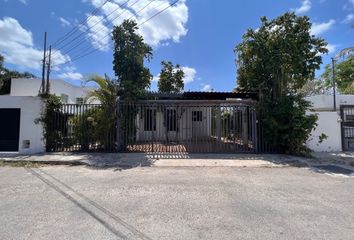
(79, 101)
(197, 116)
(150, 120)
(171, 119)
(64, 98)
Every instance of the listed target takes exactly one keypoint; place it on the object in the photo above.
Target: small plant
(322, 137)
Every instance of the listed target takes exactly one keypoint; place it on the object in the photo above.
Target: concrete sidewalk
(131, 160)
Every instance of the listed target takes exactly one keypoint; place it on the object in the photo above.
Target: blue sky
(200, 35)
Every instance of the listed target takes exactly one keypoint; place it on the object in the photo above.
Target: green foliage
(322, 137)
(96, 125)
(6, 75)
(51, 132)
(344, 75)
(285, 123)
(171, 78)
(130, 52)
(87, 128)
(278, 60)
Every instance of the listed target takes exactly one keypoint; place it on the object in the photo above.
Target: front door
(347, 115)
(197, 124)
(9, 129)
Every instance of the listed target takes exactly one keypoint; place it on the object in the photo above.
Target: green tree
(277, 60)
(344, 75)
(171, 78)
(130, 52)
(6, 75)
(103, 118)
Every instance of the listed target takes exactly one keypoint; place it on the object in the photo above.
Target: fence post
(119, 146)
(245, 120)
(255, 133)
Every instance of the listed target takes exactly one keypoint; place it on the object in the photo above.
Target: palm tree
(103, 117)
(106, 93)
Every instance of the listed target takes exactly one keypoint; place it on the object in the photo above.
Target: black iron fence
(347, 126)
(159, 126)
(84, 127)
(198, 126)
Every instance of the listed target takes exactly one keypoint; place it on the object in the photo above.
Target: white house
(19, 111)
(337, 125)
(69, 93)
(173, 123)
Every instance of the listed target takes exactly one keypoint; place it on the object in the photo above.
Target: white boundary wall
(329, 124)
(30, 111)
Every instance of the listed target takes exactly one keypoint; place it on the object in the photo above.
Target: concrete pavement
(170, 203)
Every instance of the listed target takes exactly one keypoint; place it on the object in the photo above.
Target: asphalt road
(175, 203)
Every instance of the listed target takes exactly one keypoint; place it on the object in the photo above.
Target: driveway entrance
(9, 129)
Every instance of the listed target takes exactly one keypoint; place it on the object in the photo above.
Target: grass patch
(19, 164)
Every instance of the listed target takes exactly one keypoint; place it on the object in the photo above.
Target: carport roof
(202, 95)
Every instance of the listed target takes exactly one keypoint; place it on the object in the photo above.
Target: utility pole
(334, 85)
(42, 90)
(48, 71)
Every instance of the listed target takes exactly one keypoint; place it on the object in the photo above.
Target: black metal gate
(185, 126)
(9, 129)
(347, 116)
(82, 127)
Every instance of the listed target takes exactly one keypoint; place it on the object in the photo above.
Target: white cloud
(305, 7)
(23, 1)
(206, 88)
(319, 28)
(98, 32)
(331, 48)
(71, 76)
(64, 22)
(349, 18)
(352, 2)
(16, 45)
(189, 74)
(167, 26)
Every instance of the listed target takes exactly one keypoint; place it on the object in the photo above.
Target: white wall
(30, 111)
(31, 86)
(329, 124)
(325, 102)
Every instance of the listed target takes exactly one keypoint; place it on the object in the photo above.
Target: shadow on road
(137, 234)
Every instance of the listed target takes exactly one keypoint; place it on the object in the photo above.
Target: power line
(94, 50)
(107, 35)
(84, 39)
(87, 29)
(77, 27)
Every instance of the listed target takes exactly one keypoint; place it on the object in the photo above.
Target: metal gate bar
(81, 127)
(198, 126)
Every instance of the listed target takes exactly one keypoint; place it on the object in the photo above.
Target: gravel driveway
(175, 203)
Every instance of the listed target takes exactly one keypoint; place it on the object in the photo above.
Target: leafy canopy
(280, 56)
(170, 78)
(344, 75)
(130, 52)
(277, 60)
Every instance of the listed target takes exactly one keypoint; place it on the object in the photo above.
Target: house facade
(69, 93)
